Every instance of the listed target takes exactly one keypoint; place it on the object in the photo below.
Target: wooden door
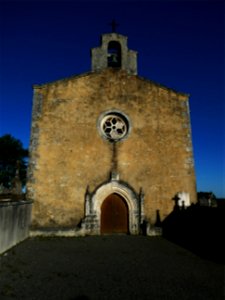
(114, 215)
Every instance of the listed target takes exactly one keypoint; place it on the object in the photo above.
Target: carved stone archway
(93, 202)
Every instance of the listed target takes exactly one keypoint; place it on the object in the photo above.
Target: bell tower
(113, 53)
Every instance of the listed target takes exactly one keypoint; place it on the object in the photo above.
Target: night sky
(180, 45)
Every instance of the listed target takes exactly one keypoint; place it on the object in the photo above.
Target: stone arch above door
(93, 203)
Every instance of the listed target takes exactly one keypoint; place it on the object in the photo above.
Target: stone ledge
(10, 202)
(154, 231)
(75, 232)
(56, 232)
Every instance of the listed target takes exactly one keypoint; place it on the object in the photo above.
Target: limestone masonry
(109, 133)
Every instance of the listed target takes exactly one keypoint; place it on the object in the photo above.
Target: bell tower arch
(114, 53)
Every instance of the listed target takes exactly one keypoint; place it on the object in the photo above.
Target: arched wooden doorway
(114, 215)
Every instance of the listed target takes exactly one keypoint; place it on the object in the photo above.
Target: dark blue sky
(180, 44)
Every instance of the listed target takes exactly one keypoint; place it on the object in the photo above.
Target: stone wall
(15, 217)
(68, 154)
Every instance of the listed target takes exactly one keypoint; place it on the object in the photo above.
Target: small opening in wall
(114, 54)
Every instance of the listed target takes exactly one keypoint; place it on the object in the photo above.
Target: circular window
(114, 126)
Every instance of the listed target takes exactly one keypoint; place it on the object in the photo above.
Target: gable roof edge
(94, 72)
(163, 86)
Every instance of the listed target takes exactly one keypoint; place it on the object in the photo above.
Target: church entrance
(114, 215)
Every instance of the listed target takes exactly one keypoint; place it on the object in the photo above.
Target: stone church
(109, 149)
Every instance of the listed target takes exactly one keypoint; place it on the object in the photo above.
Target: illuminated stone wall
(68, 154)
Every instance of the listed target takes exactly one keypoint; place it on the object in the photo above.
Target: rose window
(114, 127)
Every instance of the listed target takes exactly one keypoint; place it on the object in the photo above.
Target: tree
(12, 155)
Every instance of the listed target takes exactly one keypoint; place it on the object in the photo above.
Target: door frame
(93, 203)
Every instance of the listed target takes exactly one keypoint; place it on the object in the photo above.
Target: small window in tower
(114, 54)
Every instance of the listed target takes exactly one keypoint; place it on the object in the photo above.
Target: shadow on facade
(198, 229)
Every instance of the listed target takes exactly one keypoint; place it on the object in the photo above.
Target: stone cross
(114, 25)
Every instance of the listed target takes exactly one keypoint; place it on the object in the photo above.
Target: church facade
(109, 149)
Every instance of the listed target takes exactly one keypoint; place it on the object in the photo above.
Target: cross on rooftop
(114, 25)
